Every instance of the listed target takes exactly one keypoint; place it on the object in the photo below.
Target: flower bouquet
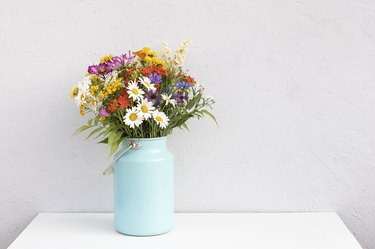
(137, 99)
(139, 95)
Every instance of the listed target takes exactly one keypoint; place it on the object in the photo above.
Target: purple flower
(103, 112)
(115, 63)
(93, 69)
(182, 84)
(153, 96)
(128, 58)
(102, 69)
(155, 78)
(181, 97)
(120, 61)
(166, 90)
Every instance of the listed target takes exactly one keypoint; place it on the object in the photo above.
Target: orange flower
(189, 79)
(146, 71)
(112, 106)
(123, 101)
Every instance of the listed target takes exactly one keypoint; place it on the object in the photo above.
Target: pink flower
(103, 112)
(102, 69)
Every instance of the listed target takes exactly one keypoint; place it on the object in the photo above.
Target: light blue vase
(144, 189)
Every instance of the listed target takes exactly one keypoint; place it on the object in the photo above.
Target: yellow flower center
(159, 119)
(144, 109)
(135, 91)
(147, 84)
(102, 69)
(133, 117)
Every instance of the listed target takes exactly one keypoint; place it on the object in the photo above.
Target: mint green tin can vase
(143, 187)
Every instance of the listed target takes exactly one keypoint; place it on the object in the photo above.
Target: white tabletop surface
(191, 231)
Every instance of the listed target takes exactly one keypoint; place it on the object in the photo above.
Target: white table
(192, 231)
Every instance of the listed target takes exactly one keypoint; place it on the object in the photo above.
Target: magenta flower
(128, 58)
(115, 63)
(93, 69)
(102, 69)
(120, 61)
(103, 112)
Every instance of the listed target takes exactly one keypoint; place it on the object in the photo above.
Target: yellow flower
(94, 77)
(101, 95)
(145, 54)
(153, 54)
(147, 59)
(142, 53)
(158, 62)
(82, 110)
(112, 87)
(150, 57)
(106, 58)
(74, 92)
(93, 89)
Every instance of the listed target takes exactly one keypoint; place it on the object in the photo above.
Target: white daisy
(133, 118)
(161, 119)
(145, 108)
(146, 82)
(168, 99)
(134, 91)
(83, 91)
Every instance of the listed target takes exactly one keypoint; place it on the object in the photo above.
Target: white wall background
(295, 88)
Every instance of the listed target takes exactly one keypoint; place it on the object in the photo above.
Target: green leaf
(104, 141)
(94, 131)
(81, 129)
(193, 101)
(89, 122)
(182, 120)
(113, 148)
(184, 125)
(114, 141)
(114, 137)
(96, 120)
(211, 116)
(199, 114)
(108, 131)
(101, 134)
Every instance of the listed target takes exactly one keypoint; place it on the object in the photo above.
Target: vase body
(144, 188)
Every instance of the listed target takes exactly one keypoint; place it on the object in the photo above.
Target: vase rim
(145, 139)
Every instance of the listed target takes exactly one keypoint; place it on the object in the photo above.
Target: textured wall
(294, 83)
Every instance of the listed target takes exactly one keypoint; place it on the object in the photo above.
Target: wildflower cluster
(139, 95)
